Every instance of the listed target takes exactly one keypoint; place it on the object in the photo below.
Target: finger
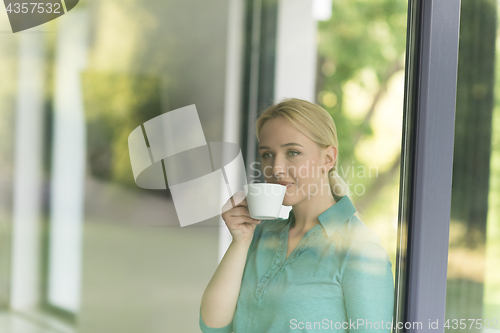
(239, 211)
(227, 206)
(239, 199)
(252, 224)
(242, 219)
(243, 212)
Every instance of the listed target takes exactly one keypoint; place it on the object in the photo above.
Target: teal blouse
(338, 278)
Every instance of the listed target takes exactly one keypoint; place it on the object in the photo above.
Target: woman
(321, 268)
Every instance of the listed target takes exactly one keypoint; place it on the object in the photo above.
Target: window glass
(79, 239)
(473, 286)
(361, 53)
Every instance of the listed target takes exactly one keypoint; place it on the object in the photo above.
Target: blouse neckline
(332, 218)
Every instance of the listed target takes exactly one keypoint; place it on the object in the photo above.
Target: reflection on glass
(322, 267)
(146, 58)
(115, 104)
(360, 75)
(473, 286)
(68, 166)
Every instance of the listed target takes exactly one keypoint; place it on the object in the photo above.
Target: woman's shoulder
(360, 239)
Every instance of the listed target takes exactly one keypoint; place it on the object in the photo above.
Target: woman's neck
(307, 211)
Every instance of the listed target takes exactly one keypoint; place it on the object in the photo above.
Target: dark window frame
(427, 162)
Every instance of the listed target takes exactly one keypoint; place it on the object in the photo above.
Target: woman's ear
(329, 158)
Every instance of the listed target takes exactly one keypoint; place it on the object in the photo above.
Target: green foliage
(115, 104)
(361, 34)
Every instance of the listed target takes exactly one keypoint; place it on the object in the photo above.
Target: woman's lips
(286, 184)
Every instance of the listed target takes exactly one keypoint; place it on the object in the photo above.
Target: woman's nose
(279, 167)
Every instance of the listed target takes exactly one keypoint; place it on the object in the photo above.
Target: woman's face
(289, 156)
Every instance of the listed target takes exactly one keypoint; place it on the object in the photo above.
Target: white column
(68, 164)
(232, 107)
(296, 51)
(27, 168)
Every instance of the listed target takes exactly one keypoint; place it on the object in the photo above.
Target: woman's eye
(291, 153)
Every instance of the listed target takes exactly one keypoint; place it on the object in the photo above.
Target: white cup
(264, 200)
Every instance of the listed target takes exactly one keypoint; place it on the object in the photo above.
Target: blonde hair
(315, 123)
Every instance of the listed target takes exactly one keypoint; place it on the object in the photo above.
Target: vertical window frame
(427, 162)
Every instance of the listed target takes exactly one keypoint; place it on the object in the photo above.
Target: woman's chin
(288, 200)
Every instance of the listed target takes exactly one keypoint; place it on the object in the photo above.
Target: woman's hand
(219, 300)
(237, 218)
